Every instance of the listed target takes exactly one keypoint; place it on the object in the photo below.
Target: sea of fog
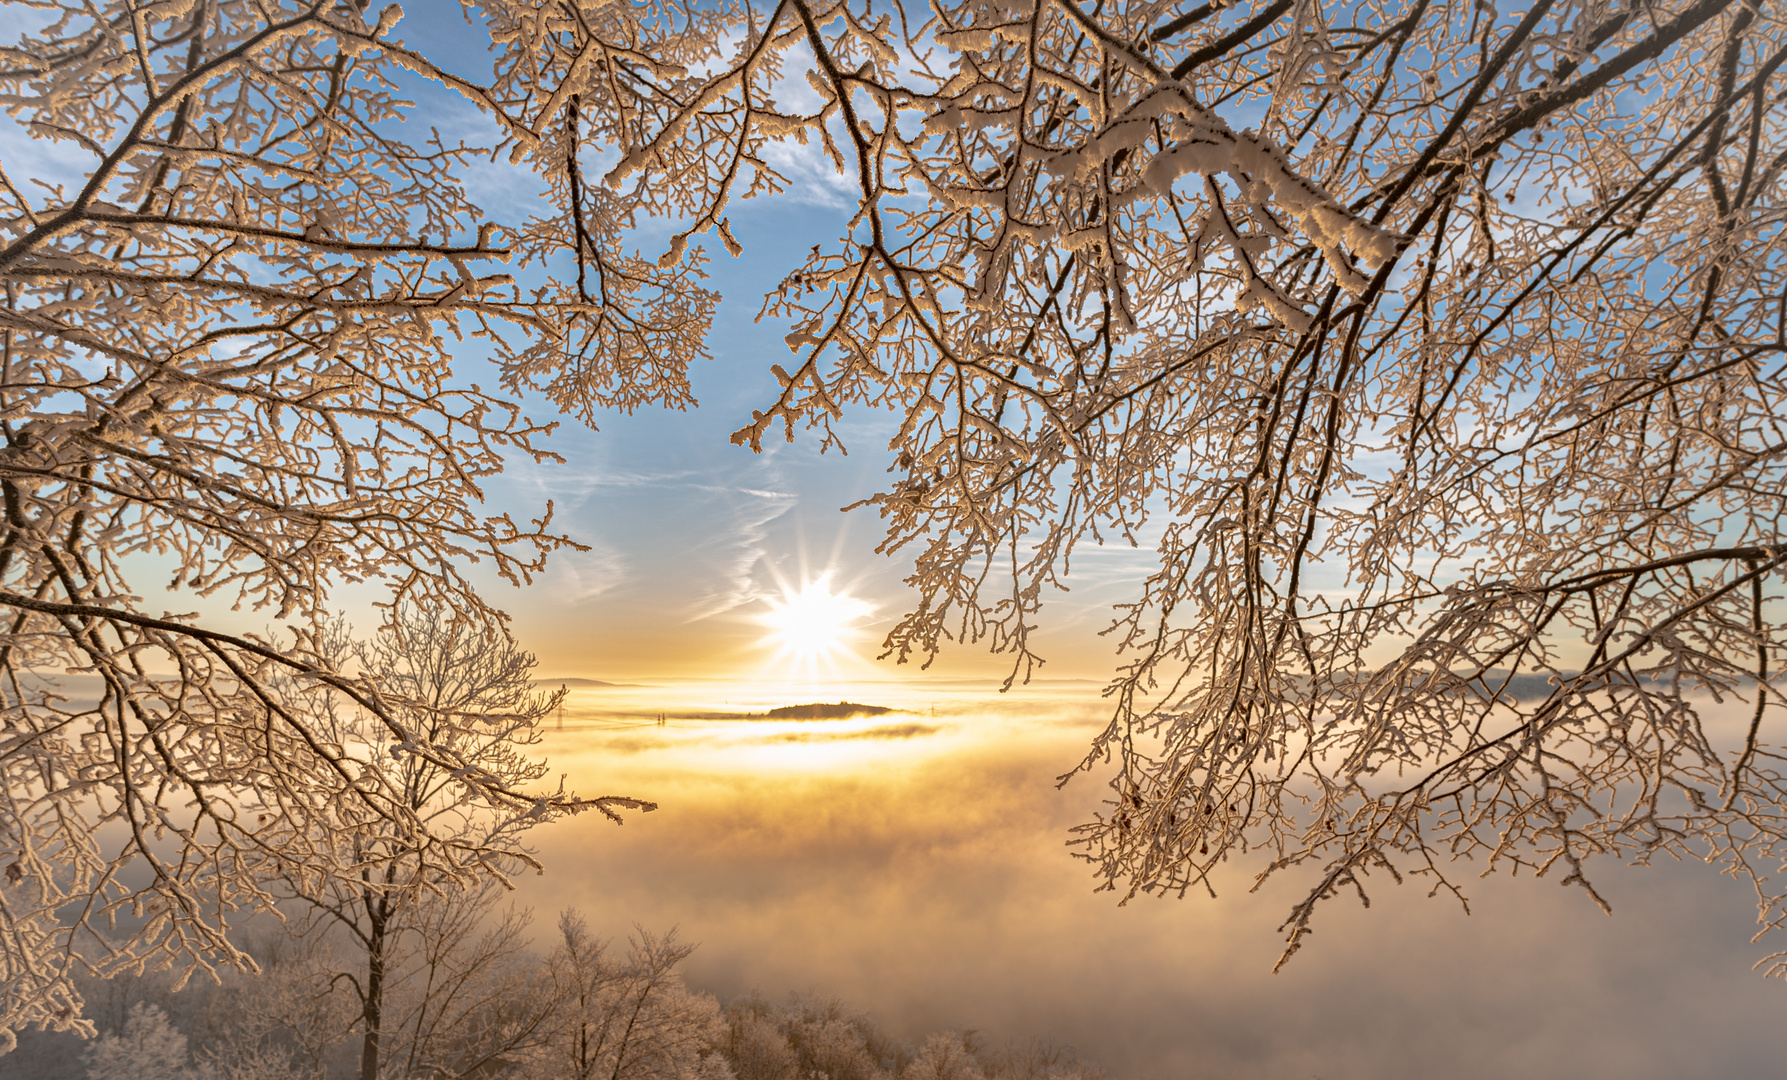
(914, 865)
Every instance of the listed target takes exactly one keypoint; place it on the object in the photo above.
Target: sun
(813, 624)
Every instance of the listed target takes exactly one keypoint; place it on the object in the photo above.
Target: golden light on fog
(813, 623)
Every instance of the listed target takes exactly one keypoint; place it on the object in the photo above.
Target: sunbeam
(814, 625)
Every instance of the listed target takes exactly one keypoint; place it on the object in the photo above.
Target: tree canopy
(1437, 349)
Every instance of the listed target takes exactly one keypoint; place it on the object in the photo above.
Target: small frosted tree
(463, 995)
(410, 914)
(629, 1018)
(148, 1048)
(945, 1056)
(757, 1048)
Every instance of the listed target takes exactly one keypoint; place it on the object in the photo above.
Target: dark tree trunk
(372, 1005)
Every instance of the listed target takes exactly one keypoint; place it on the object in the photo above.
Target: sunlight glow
(813, 624)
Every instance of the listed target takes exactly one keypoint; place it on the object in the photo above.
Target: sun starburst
(813, 624)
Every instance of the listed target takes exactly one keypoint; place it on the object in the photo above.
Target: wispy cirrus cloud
(736, 553)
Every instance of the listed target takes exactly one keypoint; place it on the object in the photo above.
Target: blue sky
(687, 533)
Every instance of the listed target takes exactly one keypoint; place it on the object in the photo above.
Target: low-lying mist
(927, 879)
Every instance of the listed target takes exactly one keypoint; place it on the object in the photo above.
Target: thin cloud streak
(740, 552)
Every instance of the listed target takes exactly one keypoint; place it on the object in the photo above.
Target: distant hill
(573, 682)
(843, 710)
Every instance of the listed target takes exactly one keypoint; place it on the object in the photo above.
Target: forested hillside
(485, 1005)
